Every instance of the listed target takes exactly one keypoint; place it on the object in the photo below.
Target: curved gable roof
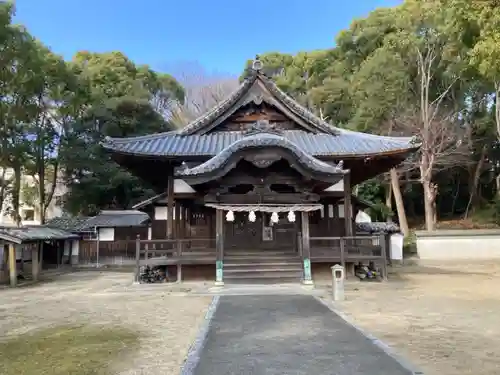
(262, 140)
(256, 87)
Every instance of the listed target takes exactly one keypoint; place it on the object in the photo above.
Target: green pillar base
(219, 267)
(307, 270)
(219, 283)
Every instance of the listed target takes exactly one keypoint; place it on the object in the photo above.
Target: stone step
(249, 266)
(263, 276)
(261, 268)
(263, 258)
(263, 281)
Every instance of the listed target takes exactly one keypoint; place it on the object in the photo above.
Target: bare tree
(203, 90)
(443, 146)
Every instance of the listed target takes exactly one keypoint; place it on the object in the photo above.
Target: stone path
(287, 335)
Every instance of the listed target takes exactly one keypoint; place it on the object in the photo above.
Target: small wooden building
(28, 250)
(107, 238)
(259, 187)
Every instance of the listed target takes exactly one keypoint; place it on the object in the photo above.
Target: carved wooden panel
(252, 113)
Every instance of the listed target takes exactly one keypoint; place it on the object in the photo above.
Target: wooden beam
(348, 205)
(306, 247)
(170, 207)
(12, 265)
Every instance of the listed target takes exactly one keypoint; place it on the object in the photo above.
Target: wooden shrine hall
(258, 186)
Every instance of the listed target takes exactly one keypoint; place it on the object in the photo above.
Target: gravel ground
(167, 322)
(444, 319)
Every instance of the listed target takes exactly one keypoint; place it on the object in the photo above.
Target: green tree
(122, 101)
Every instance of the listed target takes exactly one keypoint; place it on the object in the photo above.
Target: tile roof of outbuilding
(20, 235)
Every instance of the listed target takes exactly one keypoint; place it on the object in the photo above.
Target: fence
(350, 250)
(123, 252)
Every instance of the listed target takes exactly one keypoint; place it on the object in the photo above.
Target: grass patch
(66, 350)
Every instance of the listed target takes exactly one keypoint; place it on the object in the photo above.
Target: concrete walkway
(288, 335)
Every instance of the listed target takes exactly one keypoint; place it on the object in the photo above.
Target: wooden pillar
(306, 248)
(179, 261)
(219, 245)
(35, 264)
(12, 265)
(170, 207)
(384, 250)
(184, 222)
(58, 254)
(177, 219)
(41, 256)
(188, 223)
(137, 259)
(348, 205)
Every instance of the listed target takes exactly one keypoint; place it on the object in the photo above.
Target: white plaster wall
(75, 244)
(106, 234)
(339, 186)
(341, 211)
(459, 247)
(161, 213)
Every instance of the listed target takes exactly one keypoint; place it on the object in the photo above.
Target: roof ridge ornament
(262, 126)
(257, 64)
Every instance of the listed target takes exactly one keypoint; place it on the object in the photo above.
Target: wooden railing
(174, 252)
(350, 250)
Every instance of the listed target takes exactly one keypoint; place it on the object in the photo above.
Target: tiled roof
(378, 227)
(34, 233)
(346, 143)
(262, 140)
(75, 224)
(118, 218)
(195, 139)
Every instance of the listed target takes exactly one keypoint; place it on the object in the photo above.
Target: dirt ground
(444, 319)
(167, 323)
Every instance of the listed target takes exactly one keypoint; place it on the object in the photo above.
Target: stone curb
(386, 348)
(194, 353)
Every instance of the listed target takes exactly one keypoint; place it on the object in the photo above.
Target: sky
(219, 35)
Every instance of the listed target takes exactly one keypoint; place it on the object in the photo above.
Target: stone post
(338, 274)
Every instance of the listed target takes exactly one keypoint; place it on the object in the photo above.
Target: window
(28, 214)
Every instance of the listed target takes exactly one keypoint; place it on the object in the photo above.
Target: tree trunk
(40, 167)
(398, 197)
(388, 195)
(497, 121)
(474, 185)
(497, 181)
(3, 188)
(16, 194)
(429, 206)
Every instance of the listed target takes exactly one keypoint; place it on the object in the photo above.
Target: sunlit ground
(67, 350)
(444, 318)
